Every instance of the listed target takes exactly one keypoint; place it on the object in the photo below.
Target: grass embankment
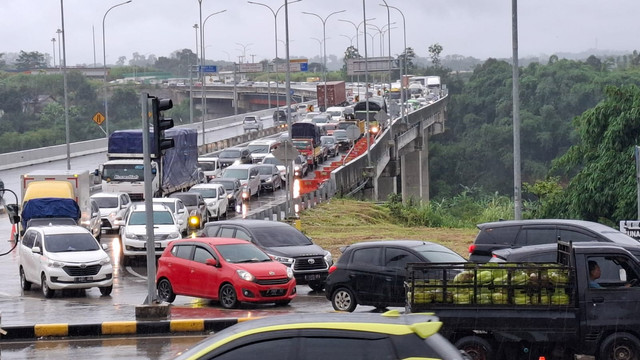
(340, 222)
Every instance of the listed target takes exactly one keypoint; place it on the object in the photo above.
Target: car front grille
(273, 292)
(87, 270)
(272, 281)
(309, 263)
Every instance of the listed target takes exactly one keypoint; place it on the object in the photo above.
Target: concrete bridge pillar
(415, 172)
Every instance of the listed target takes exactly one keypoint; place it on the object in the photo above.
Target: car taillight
(332, 268)
(472, 248)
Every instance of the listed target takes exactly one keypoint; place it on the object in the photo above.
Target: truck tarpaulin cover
(182, 159)
(179, 163)
(301, 130)
(49, 207)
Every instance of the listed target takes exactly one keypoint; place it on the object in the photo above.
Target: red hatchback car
(231, 271)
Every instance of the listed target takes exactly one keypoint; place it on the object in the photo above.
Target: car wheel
(165, 291)
(620, 346)
(343, 300)
(46, 291)
(228, 297)
(106, 290)
(316, 286)
(477, 347)
(24, 284)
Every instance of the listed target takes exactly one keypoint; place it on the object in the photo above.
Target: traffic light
(160, 124)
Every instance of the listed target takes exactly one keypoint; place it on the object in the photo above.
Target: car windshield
(328, 140)
(206, 193)
(106, 202)
(273, 161)
(230, 154)
(170, 204)
(70, 242)
(242, 253)
(187, 199)
(236, 173)
(438, 255)
(207, 166)
(298, 160)
(319, 119)
(159, 218)
(258, 148)
(280, 236)
(228, 185)
(334, 113)
(265, 170)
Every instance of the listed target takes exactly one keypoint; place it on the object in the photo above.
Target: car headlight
(283, 259)
(133, 236)
(230, 196)
(269, 180)
(54, 263)
(175, 235)
(289, 273)
(328, 258)
(245, 275)
(105, 261)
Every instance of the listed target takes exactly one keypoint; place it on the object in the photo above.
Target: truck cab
(128, 176)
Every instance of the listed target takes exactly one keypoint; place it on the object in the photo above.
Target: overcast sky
(478, 28)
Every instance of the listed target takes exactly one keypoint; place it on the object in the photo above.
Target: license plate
(312, 277)
(274, 292)
(82, 279)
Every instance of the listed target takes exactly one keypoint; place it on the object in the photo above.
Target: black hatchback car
(233, 187)
(518, 233)
(373, 272)
(310, 263)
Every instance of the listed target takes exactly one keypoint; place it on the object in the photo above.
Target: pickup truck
(532, 311)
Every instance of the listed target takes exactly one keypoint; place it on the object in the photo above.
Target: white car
(60, 257)
(261, 148)
(133, 232)
(271, 159)
(215, 196)
(113, 205)
(178, 209)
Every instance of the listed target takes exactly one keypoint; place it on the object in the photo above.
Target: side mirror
(105, 247)
(12, 211)
(36, 250)
(212, 262)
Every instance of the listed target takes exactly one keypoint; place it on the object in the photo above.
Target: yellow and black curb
(110, 328)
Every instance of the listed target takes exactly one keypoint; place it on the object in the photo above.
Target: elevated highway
(397, 160)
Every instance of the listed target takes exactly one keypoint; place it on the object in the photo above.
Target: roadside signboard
(631, 228)
(285, 152)
(209, 68)
(295, 65)
(372, 64)
(250, 68)
(98, 118)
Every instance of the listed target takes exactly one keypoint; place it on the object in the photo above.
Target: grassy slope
(340, 222)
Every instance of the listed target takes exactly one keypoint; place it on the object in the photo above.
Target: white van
(248, 174)
(336, 112)
(261, 148)
(210, 166)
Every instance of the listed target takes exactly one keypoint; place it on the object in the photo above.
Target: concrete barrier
(119, 328)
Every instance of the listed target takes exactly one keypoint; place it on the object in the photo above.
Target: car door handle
(598, 299)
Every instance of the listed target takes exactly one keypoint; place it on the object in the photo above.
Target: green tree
(434, 54)
(600, 166)
(30, 60)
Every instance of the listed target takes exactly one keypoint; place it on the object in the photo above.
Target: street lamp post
(244, 50)
(53, 41)
(191, 68)
(357, 27)
(275, 21)
(202, 63)
(324, 43)
(350, 39)
(404, 36)
(59, 49)
(104, 64)
(66, 97)
(320, 42)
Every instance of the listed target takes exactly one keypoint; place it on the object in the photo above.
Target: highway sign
(357, 66)
(98, 118)
(250, 68)
(285, 152)
(209, 68)
(295, 65)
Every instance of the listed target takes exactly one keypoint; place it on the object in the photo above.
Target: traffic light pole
(148, 201)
